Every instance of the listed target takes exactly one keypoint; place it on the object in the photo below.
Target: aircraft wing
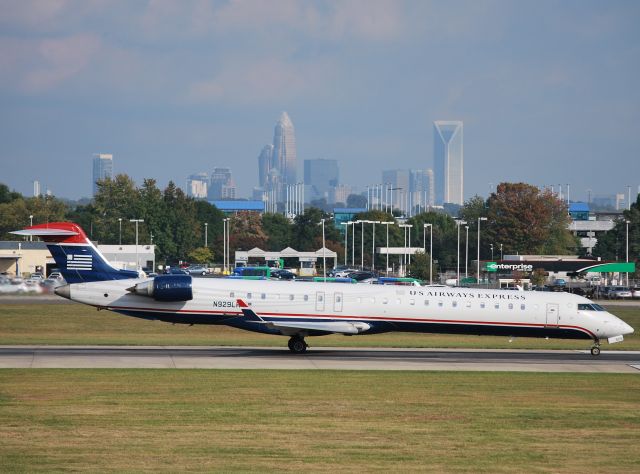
(294, 327)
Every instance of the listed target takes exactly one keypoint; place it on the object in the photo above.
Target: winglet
(248, 313)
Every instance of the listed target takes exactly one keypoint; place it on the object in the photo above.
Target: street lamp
(373, 246)
(387, 224)
(324, 260)
(346, 233)
(424, 246)
(137, 221)
(491, 245)
(459, 222)
(627, 223)
(478, 268)
(31, 225)
(501, 254)
(362, 223)
(404, 253)
(466, 253)
(206, 234)
(120, 231)
(225, 248)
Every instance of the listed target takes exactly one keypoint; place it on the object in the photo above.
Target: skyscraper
(284, 150)
(320, 176)
(448, 162)
(264, 165)
(398, 181)
(222, 185)
(421, 186)
(102, 168)
(197, 185)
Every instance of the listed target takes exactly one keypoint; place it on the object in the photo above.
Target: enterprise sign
(494, 267)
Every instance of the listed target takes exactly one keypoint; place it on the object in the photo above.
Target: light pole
(501, 254)
(206, 234)
(362, 223)
(424, 246)
(225, 249)
(346, 233)
(120, 231)
(491, 245)
(404, 253)
(466, 253)
(373, 247)
(387, 224)
(137, 221)
(478, 268)
(627, 223)
(324, 260)
(409, 232)
(31, 225)
(459, 222)
(353, 244)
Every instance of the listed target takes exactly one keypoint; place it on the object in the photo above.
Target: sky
(548, 90)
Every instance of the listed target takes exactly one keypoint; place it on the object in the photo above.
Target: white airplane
(299, 309)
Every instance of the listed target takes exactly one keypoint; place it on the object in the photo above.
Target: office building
(264, 165)
(340, 194)
(448, 162)
(102, 169)
(198, 185)
(284, 157)
(320, 177)
(398, 184)
(421, 189)
(221, 185)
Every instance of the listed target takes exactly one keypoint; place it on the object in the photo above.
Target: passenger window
(320, 297)
(291, 297)
(522, 307)
(385, 300)
(454, 303)
(306, 297)
(338, 298)
(440, 303)
(510, 305)
(482, 305)
(248, 296)
(426, 302)
(232, 294)
(412, 302)
(468, 305)
(497, 306)
(263, 296)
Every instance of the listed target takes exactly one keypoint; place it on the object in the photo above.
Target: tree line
(520, 218)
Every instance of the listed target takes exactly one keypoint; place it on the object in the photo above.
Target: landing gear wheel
(595, 351)
(297, 345)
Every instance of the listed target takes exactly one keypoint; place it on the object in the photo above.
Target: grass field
(76, 324)
(259, 421)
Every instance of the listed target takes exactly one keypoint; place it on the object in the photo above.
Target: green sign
(491, 266)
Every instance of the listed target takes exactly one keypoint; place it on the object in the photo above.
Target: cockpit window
(590, 307)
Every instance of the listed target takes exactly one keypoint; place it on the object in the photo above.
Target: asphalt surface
(317, 358)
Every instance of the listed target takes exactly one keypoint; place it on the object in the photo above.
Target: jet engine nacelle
(165, 288)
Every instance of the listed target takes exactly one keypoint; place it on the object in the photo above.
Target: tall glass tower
(284, 150)
(448, 162)
(102, 168)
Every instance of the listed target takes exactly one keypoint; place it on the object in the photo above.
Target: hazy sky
(549, 91)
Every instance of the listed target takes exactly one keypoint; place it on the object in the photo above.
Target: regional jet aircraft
(301, 309)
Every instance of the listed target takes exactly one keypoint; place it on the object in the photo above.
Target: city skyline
(546, 93)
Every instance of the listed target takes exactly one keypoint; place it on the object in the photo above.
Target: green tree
(278, 230)
(201, 255)
(246, 231)
(526, 220)
(419, 267)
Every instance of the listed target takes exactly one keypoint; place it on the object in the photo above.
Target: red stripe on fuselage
(358, 318)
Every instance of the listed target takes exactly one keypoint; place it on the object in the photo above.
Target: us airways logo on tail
(79, 262)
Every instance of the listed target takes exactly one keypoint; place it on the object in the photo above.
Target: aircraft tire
(595, 351)
(297, 345)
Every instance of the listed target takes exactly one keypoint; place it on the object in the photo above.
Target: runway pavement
(316, 358)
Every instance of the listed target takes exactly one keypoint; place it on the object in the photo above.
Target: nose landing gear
(595, 349)
(297, 345)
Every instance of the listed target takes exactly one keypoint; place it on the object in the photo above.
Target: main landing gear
(297, 345)
(595, 349)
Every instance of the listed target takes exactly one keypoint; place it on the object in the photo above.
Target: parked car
(56, 276)
(197, 270)
(36, 276)
(363, 276)
(618, 292)
(635, 293)
(341, 271)
(283, 274)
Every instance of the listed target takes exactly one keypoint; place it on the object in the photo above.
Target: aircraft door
(319, 300)
(552, 315)
(337, 302)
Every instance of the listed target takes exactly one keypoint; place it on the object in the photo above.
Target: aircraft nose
(626, 329)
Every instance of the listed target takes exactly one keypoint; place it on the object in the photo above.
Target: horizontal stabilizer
(44, 232)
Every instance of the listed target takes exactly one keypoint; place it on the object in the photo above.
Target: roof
(349, 210)
(239, 205)
(578, 207)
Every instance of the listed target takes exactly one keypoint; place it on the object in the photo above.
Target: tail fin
(77, 258)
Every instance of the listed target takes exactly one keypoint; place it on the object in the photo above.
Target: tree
(419, 267)
(246, 231)
(201, 255)
(527, 221)
(278, 230)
